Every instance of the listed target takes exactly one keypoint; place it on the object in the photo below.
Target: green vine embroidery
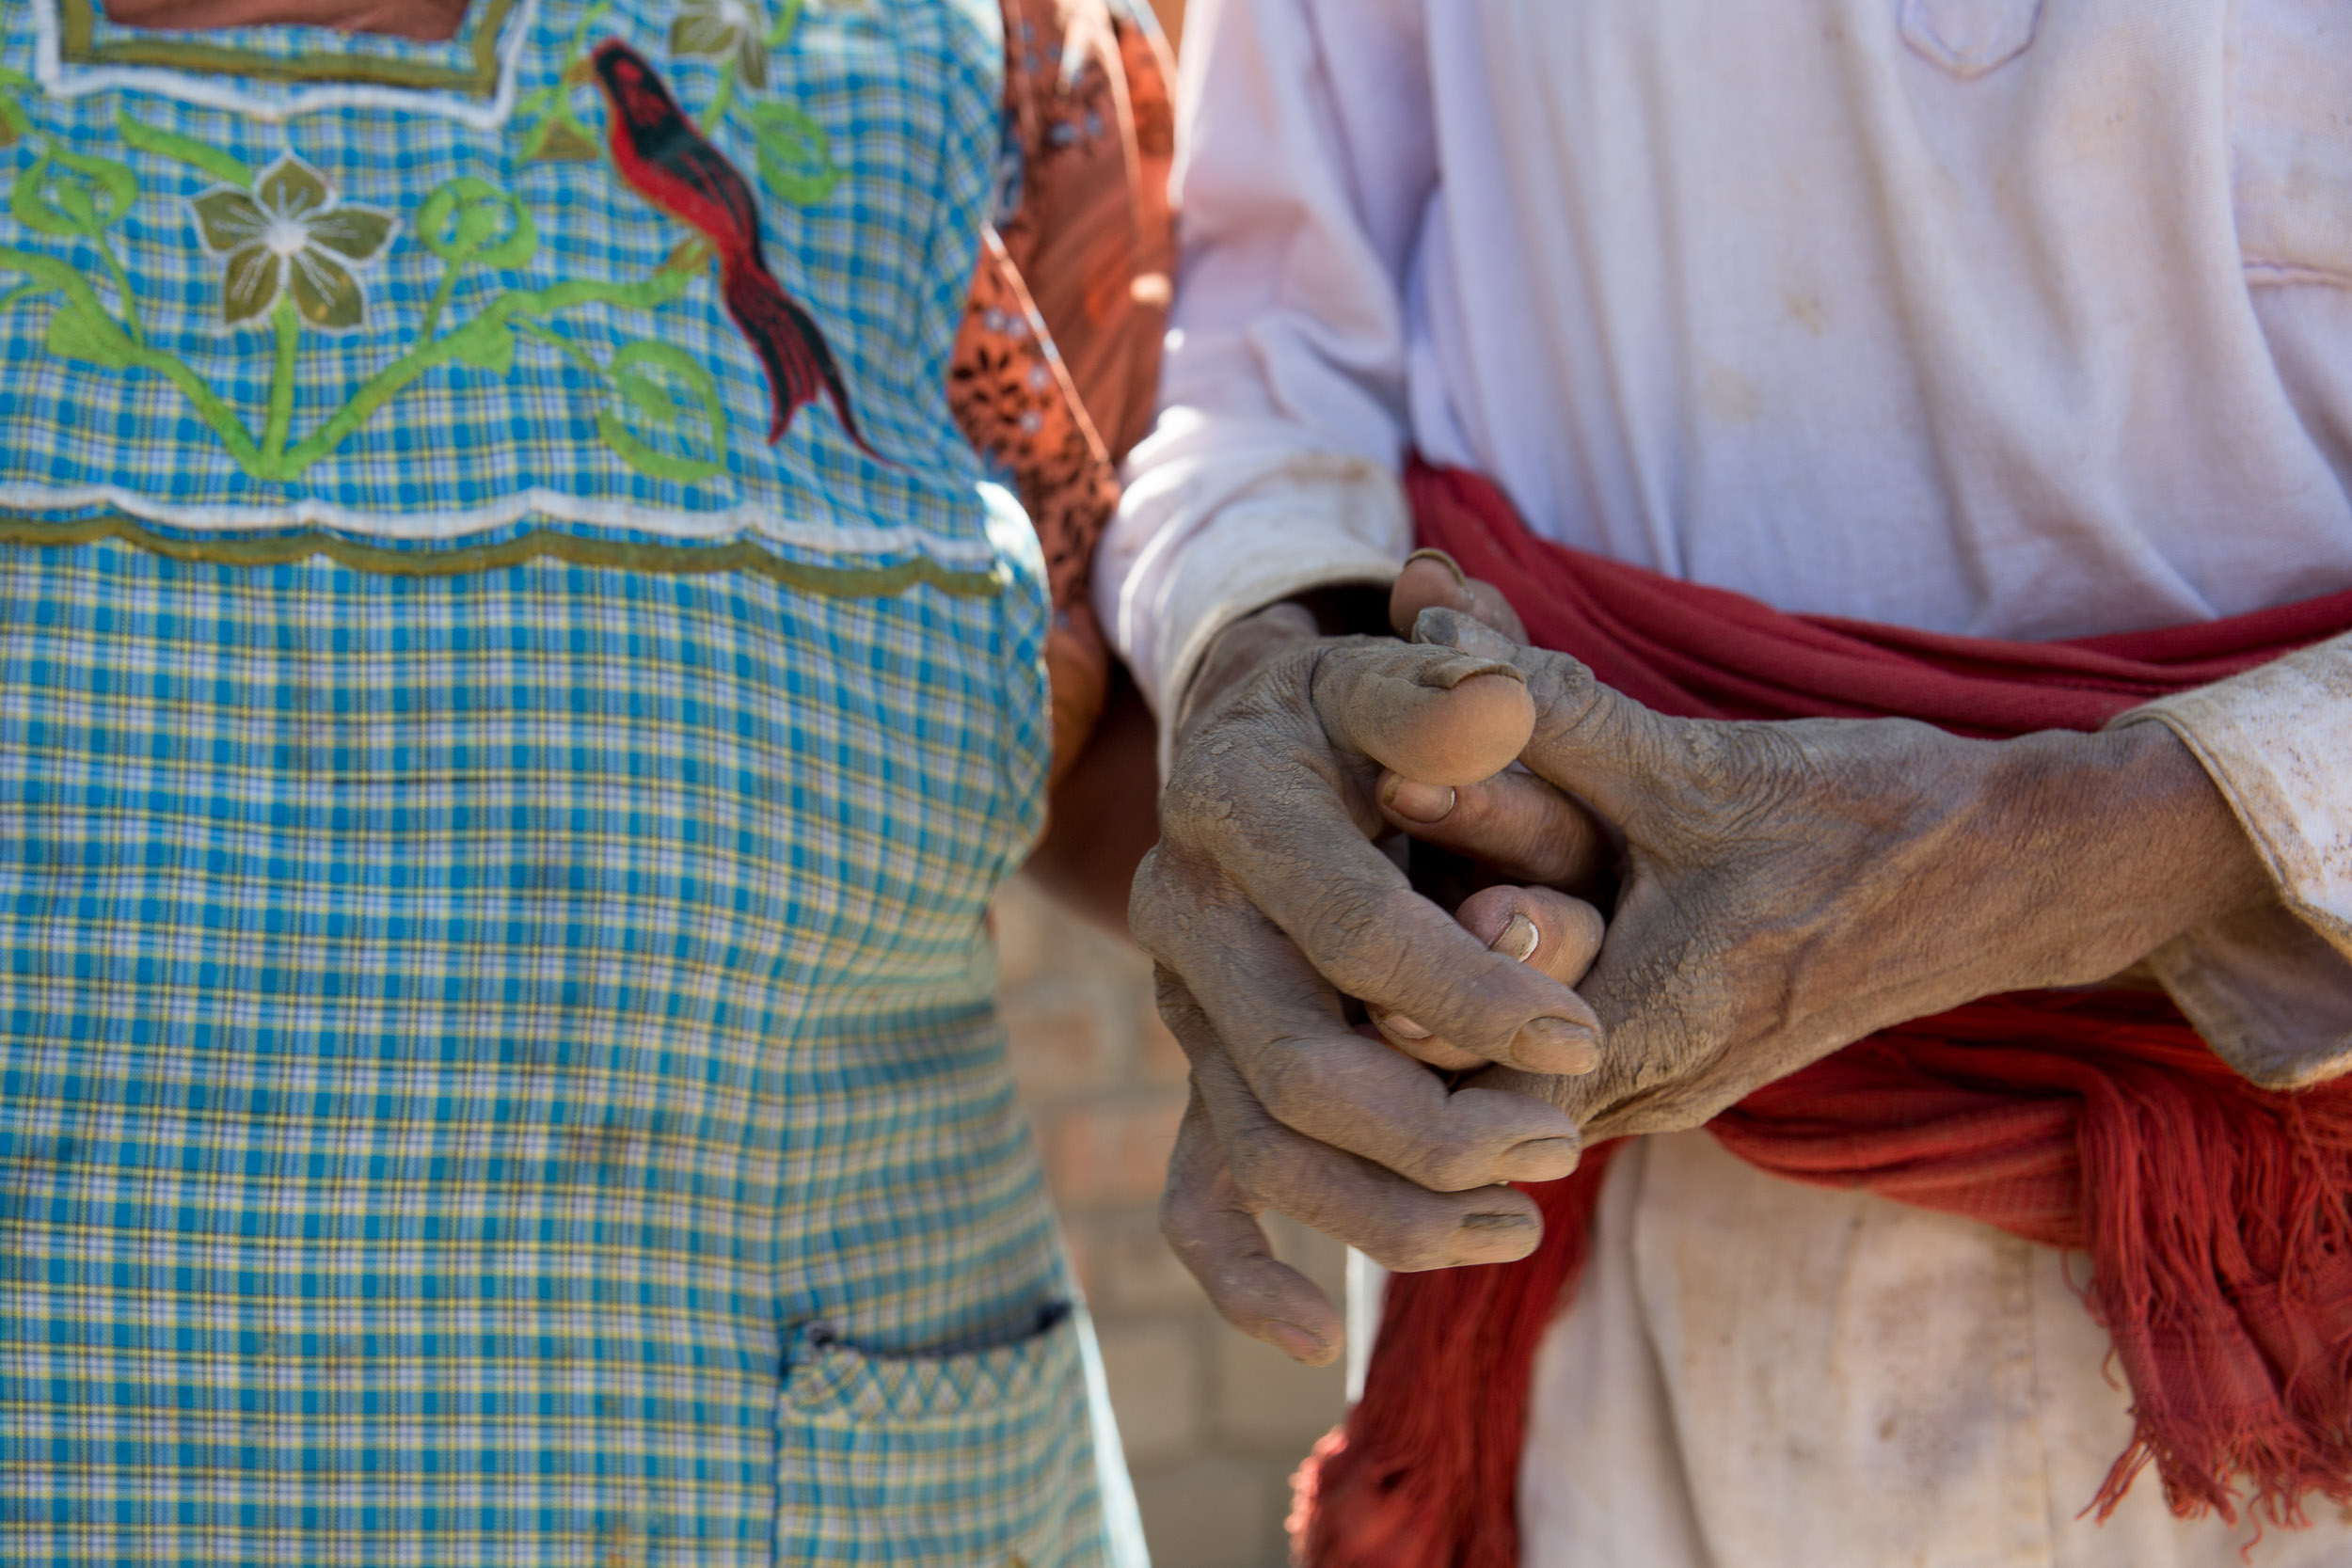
(293, 256)
(795, 156)
(795, 159)
(291, 253)
(549, 119)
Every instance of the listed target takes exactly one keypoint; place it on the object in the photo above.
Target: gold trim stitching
(77, 21)
(741, 555)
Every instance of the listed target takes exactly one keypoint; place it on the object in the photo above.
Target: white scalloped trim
(220, 93)
(551, 504)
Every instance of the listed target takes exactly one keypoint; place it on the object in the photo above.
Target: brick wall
(1213, 1423)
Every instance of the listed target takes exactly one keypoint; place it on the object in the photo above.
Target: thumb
(1433, 577)
(1429, 714)
(1595, 742)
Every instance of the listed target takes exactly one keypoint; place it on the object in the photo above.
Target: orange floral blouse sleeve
(1057, 359)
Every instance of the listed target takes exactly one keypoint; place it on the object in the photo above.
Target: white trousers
(1758, 1374)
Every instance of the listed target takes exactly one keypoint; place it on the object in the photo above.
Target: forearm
(1928, 870)
(2097, 849)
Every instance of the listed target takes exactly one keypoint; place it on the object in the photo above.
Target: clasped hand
(1775, 890)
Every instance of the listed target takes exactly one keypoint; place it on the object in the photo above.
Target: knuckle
(1182, 1227)
(1344, 909)
(1260, 1163)
(1196, 806)
(1290, 1077)
(1171, 903)
(1185, 1020)
(1355, 927)
(1450, 1165)
(1284, 1171)
(1408, 1243)
(1173, 998)
(1164, 903)
(1153, 879)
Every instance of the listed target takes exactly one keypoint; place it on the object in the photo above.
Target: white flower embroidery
(290, 232)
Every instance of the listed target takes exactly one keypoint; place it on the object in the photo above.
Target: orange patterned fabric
(1057, 359)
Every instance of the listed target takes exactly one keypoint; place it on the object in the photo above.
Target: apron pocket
(980, 1459)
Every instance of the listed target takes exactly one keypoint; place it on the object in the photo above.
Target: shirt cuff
(2271, 988)
(1221, 539)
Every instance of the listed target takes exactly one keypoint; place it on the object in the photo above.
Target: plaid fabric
(905, 93)
(500, 1069)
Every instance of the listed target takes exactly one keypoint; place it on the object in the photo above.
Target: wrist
(1235, 654)
(1246, 646)
(2107, 846)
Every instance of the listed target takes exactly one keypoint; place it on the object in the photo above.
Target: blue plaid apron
(497, 1057)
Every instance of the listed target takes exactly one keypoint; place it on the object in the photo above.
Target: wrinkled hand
(1788, 888)
(1267, 903)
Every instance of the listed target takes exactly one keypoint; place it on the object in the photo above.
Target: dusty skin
(1266, 900)
(1782, 890)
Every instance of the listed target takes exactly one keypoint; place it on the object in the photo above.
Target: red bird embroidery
(667, 161)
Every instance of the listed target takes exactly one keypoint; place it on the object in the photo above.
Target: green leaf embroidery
(688, 256)
(472, 220)
(15, 125)
(184, 150)
(677, 400)
(795, 158)
(66, 193)
(73, 335)
(485, 345)
(646, 396)
(552, 132)
(287, 246)
(559, 139)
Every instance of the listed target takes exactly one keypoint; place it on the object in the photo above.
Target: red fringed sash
(2217, 1216)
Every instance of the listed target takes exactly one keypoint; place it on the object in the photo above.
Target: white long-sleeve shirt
(2020, 318)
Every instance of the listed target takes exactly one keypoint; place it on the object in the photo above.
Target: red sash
(2217, 1216)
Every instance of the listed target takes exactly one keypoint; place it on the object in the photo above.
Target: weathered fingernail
(1418, 802)
(1537, 1159)
(1397, 1023)
(1461, 579)
(1555, 1045)
(1295, 1343)
(1444, 674)
(1453, 628)
(1492, 1237)
(1518, 940)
